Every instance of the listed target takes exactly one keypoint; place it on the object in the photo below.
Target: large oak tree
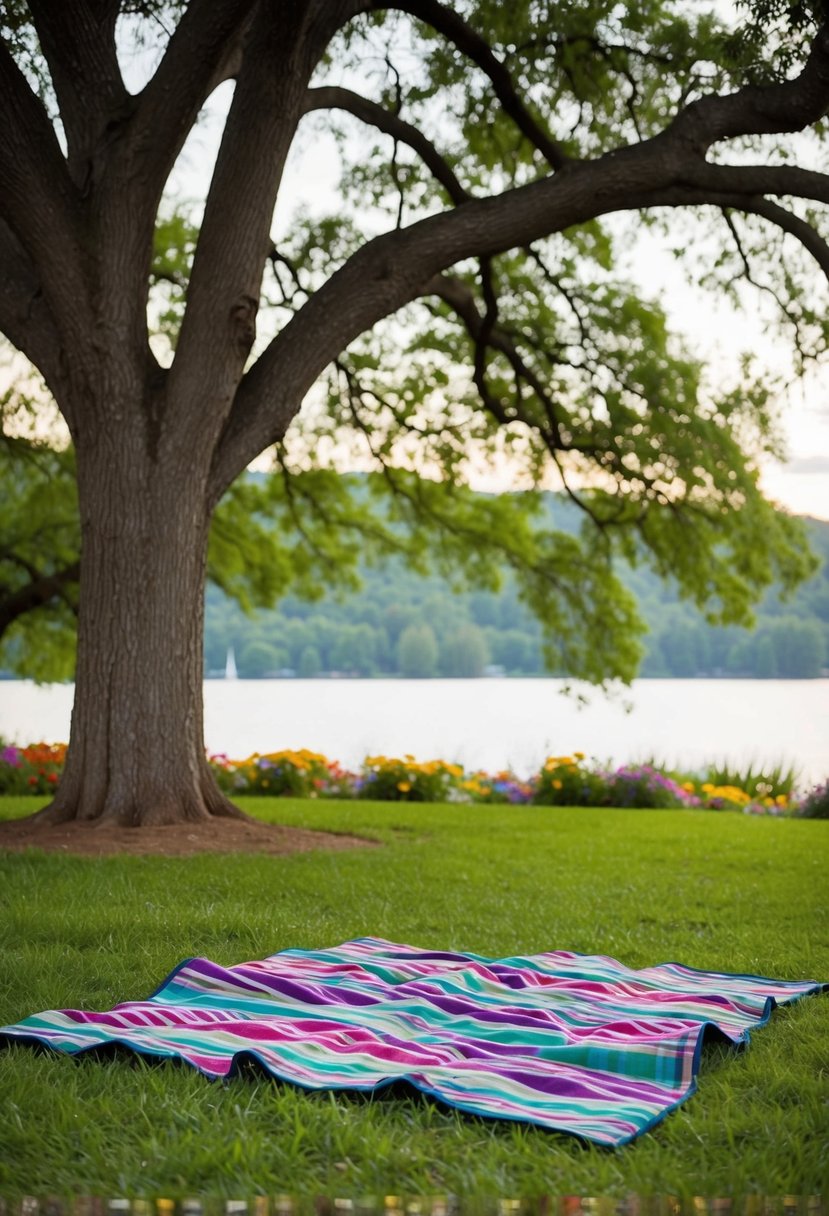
(471, 232)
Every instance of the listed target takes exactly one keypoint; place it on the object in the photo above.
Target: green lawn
(724, 892)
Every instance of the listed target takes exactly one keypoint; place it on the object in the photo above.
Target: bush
(34, 769)
(43, 765)
(816, 803)
(646, 787)
(392, 780)
(566, 781)
(294, 774)
(562, 781)
(500, 788)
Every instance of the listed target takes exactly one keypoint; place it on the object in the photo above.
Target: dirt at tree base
(172, 840)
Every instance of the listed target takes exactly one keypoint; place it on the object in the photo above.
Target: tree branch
(461, 299)
(38, 200)
(449, 23)
(78, 40)
(205, 42)
(756, 180)
(25, 318)
(369, 112)
(783, 219)
(393, 269)
(219, 323)
(760, 110)
(39, 591)
(799, 228)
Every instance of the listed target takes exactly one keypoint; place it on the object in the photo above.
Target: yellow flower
(688, 786)
(404, 786)
(556, 785)
(579, 755)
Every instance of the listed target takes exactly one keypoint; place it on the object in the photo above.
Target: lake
(490, 724)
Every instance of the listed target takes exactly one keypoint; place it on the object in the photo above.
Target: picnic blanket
(574, 1042)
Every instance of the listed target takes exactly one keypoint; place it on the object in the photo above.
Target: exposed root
(174, 808)
(51, 815)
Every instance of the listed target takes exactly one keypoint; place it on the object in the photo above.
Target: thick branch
(206, 39)
(369, 112)
(760, 110)
(285, 45)
(391, 270)
(219, 324)
(78, 40)
(24, 315)
(449, 23)
(754, 180)
(38, 199)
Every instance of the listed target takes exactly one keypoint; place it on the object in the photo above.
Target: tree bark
(136, 753)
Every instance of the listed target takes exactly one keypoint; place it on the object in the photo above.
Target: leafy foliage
(550, 358)
(362, 631)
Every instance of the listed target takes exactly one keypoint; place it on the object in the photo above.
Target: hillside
(403, 624)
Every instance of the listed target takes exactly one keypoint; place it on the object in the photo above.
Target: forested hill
(403, 624)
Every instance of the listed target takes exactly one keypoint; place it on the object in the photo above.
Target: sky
(715, 330)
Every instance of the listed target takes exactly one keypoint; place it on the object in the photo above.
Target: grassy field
(724, 892)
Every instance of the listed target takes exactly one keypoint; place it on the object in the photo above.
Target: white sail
(230, 666)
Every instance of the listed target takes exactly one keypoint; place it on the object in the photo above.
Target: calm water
(490, 724)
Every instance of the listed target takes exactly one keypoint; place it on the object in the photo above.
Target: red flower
(33, 781)
(52, 777)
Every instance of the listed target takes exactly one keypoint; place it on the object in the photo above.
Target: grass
(725, 892)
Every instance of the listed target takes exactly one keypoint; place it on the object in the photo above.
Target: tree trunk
(136, 748)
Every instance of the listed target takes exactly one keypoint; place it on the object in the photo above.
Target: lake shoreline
(490, 724)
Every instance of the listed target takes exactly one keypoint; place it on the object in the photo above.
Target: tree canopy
(466, 298)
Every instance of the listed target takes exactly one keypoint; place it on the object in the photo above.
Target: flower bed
(34, 769)
(561, 781)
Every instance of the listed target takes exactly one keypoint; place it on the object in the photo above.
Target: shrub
(295, 774)
(11, 764)
(389, 779)
(815, 805)
(646, 787)
(566, 781)
(499, 788)
(34, 769)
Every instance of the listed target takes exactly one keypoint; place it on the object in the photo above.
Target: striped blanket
(578, 1043)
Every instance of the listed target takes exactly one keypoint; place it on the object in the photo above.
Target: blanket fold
(576, 1043)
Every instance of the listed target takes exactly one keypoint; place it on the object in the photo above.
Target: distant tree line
(402, 624)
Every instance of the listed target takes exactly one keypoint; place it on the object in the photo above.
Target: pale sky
(714, 329)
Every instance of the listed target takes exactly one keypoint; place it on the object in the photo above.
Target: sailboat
(230, 665)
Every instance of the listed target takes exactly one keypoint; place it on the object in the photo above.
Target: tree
(417, 652)
(259, 658)
(497, 256)
(309, 663)
(464, 652)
